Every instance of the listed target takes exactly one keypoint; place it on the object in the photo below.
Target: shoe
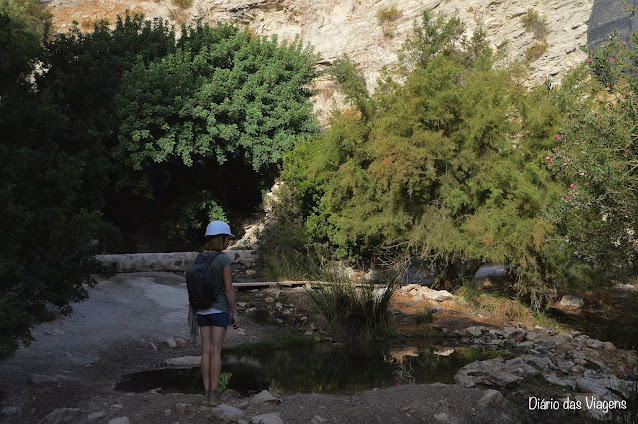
(215, 397)
(207, 396)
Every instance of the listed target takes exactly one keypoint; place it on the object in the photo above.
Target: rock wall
(335, 27)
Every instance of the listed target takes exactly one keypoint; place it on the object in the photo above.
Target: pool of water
(318, 370)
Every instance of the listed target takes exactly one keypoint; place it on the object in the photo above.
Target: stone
(264, 396)
(552, 379)
(317, 420)
(153, 346)
(117, 406)
(42, 379)
(438, 295)
(271, 418)
(181, 342)
(171, 342)
(120, 420)
(61, 415)
(587, 385)
(184, 361)
(96, 416)
(475, 331)
(182, 409)
(9, 410)
(572, 301)
(226, 412)
(491, 398)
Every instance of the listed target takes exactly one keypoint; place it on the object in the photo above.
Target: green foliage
(356, 311)
(194, 209)
(442, 36)
(424, 316)
(236, 97)
(19, 48)
(224, 379)
(594, 159)
(285, 250)
(536, 24)
(447, 167)
(351, 82)
(49, 239)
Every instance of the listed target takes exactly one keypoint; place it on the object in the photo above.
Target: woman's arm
(230, 296)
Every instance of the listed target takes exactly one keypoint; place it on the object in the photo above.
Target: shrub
(355, 311)
(536, 24)
(536, 51)
(424, 316)
(182, 4)
(386, 17)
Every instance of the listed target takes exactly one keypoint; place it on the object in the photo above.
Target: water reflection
(318, 370)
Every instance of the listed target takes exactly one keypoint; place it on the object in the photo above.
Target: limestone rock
(572, 301)
(227, 412)
(491, 398)
(272, 418)
(61, 415)
(171, 342)
(184, 361)
(264, 396)
(96, 416)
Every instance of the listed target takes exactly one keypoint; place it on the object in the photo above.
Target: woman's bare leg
(217, 340)
(207, 336)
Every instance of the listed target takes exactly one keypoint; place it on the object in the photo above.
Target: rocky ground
(136, 321)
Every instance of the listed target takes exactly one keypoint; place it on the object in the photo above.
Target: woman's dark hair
(215, 243)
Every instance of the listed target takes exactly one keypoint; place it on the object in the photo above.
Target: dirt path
(72, 367)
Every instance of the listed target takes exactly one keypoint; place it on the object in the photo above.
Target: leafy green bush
(285, 250)
(447, 167)
(594, 159)
(355, 311)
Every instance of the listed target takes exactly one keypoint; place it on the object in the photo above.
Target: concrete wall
(243, 262)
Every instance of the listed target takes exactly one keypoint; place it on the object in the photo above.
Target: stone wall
(243, 262)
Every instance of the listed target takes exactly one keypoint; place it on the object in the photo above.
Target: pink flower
(572, 185)
(626, 150)
(589, 60)
(567, 197)
(624, 4)
(623, 43)
(553, 149)
(617, 166)
(620, 201)
(611, 59)
(547, 159)
(557, 136)
(539, 217)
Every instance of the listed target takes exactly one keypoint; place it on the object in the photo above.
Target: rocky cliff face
(335, 27)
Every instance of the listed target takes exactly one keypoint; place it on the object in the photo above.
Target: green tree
(49, 241)
(594, 159)
(449, 167)
(226, 106)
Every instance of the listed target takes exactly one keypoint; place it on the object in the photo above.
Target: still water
(318, 370)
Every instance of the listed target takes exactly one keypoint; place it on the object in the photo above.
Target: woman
(214, 321)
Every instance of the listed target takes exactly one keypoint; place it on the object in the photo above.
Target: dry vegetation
(89, 12)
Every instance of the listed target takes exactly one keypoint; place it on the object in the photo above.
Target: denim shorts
(220, 319)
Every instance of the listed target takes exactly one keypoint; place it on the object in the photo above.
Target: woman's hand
(234, 320)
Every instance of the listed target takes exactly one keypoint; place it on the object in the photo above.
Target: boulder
(272, 418)
(572, 301)
(226, 412)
